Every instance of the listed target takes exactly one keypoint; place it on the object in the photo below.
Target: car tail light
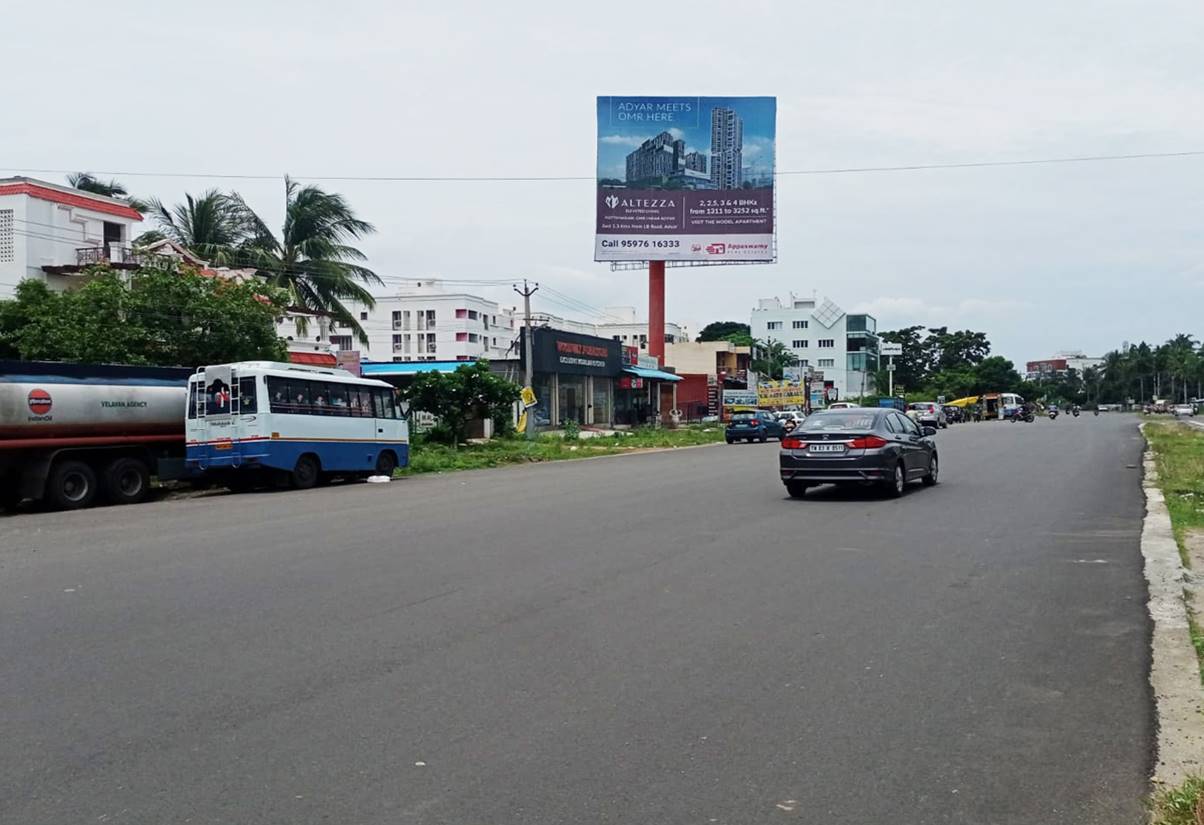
(867, 442)
(754, 421)
(792, 444)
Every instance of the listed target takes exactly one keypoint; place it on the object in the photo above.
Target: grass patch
(426, 457)
(1183, 805)
(1179, 454)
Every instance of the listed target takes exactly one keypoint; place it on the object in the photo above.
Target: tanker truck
(75, 434)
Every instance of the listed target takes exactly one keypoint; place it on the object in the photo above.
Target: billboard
(781, 394)
(554, 350)
(887, 348)
(685, 179)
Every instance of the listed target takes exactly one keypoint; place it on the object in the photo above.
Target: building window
(799, 343)
(472, 315)
(473, 337)
(485, 320)
(799, 325)
(397, 319)
(461, 336)
(827, 362)
(773, 325)
(341, 341)
(803, 362)
(406, 344)
(363, 316)
(827, 343)
(397, 343)
(430, 337)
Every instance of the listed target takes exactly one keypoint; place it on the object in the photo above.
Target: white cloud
(621, 140)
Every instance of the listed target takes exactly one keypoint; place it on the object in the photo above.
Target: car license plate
(827, 448)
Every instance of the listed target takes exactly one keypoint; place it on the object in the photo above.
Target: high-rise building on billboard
(727, 148)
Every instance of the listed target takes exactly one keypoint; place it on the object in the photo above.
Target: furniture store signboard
(568, 352)
(685, 178)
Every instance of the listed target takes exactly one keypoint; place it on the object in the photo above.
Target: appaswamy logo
(611, 201)
(716, 249)
(39, 402)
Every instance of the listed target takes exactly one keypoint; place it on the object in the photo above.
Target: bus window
(337, 398)
(384, 403)
(359, 399)
(193, 391)
(246, 395)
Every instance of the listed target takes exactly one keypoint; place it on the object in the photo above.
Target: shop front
(574, 378)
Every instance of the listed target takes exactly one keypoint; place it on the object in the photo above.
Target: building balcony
(118, 256)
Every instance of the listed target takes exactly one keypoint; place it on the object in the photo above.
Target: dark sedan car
(858, 446)
(754, 425)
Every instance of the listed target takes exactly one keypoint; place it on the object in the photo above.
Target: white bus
(258, 421)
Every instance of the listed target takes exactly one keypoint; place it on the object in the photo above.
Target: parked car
(754, 425)
(867, 446)
(842, 405)
(928, 414)
(1184, 410)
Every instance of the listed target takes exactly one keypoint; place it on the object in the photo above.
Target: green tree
(470, 392)
(962, 348)
(912, 368)
(312, 259)
(166, 317)
(734, 331)
(212, 225)
(770, 359)
(996, 374)
(87, 182)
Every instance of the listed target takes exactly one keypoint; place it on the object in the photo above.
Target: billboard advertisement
(781, 394)
(685, 178)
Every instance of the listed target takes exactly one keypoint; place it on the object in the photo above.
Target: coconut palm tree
(770, 359)
(312, 258)
(110, 189)
(212, 226)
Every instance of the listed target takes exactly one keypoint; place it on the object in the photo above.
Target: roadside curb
(1175, 670)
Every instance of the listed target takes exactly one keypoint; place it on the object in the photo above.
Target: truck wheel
(127, 481)
(71, 485)
(306, 472)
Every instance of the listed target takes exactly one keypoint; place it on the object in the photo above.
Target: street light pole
(528, 360)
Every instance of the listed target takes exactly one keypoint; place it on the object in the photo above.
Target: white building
(823, 338)
(50, 232)
(423, 322)
(1060, 363)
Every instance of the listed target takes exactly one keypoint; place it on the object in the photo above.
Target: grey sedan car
(864, 446)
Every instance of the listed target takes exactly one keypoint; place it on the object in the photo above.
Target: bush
(572, 431)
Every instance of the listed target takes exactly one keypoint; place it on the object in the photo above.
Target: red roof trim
(316, 359)
(70, 199)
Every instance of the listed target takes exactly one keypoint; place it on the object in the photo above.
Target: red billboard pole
(656, 310)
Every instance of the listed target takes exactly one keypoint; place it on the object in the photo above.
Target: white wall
(45, 233)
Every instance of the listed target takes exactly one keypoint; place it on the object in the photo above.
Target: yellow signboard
(781, 394)
(528, 396)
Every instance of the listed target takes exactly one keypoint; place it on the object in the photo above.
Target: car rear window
(744, 416)
(839, 420)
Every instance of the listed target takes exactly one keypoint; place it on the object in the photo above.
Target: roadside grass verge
(427, 457)
(1179, 454)
(1183, 805)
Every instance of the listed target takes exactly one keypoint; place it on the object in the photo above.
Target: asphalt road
(661, 638)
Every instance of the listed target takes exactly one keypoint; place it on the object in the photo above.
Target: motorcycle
(1095, 412)
(1075, 413)
(1053, 415)
(1022, 415)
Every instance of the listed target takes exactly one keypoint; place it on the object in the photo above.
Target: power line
(554, 178)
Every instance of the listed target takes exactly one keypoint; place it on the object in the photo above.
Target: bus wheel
(71, 485)
(127, 481)
(306, 472)
(386, 463)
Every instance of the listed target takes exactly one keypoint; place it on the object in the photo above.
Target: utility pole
(528, 362)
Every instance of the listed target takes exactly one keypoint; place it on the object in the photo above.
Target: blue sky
(1041, 258)
(618, 137)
